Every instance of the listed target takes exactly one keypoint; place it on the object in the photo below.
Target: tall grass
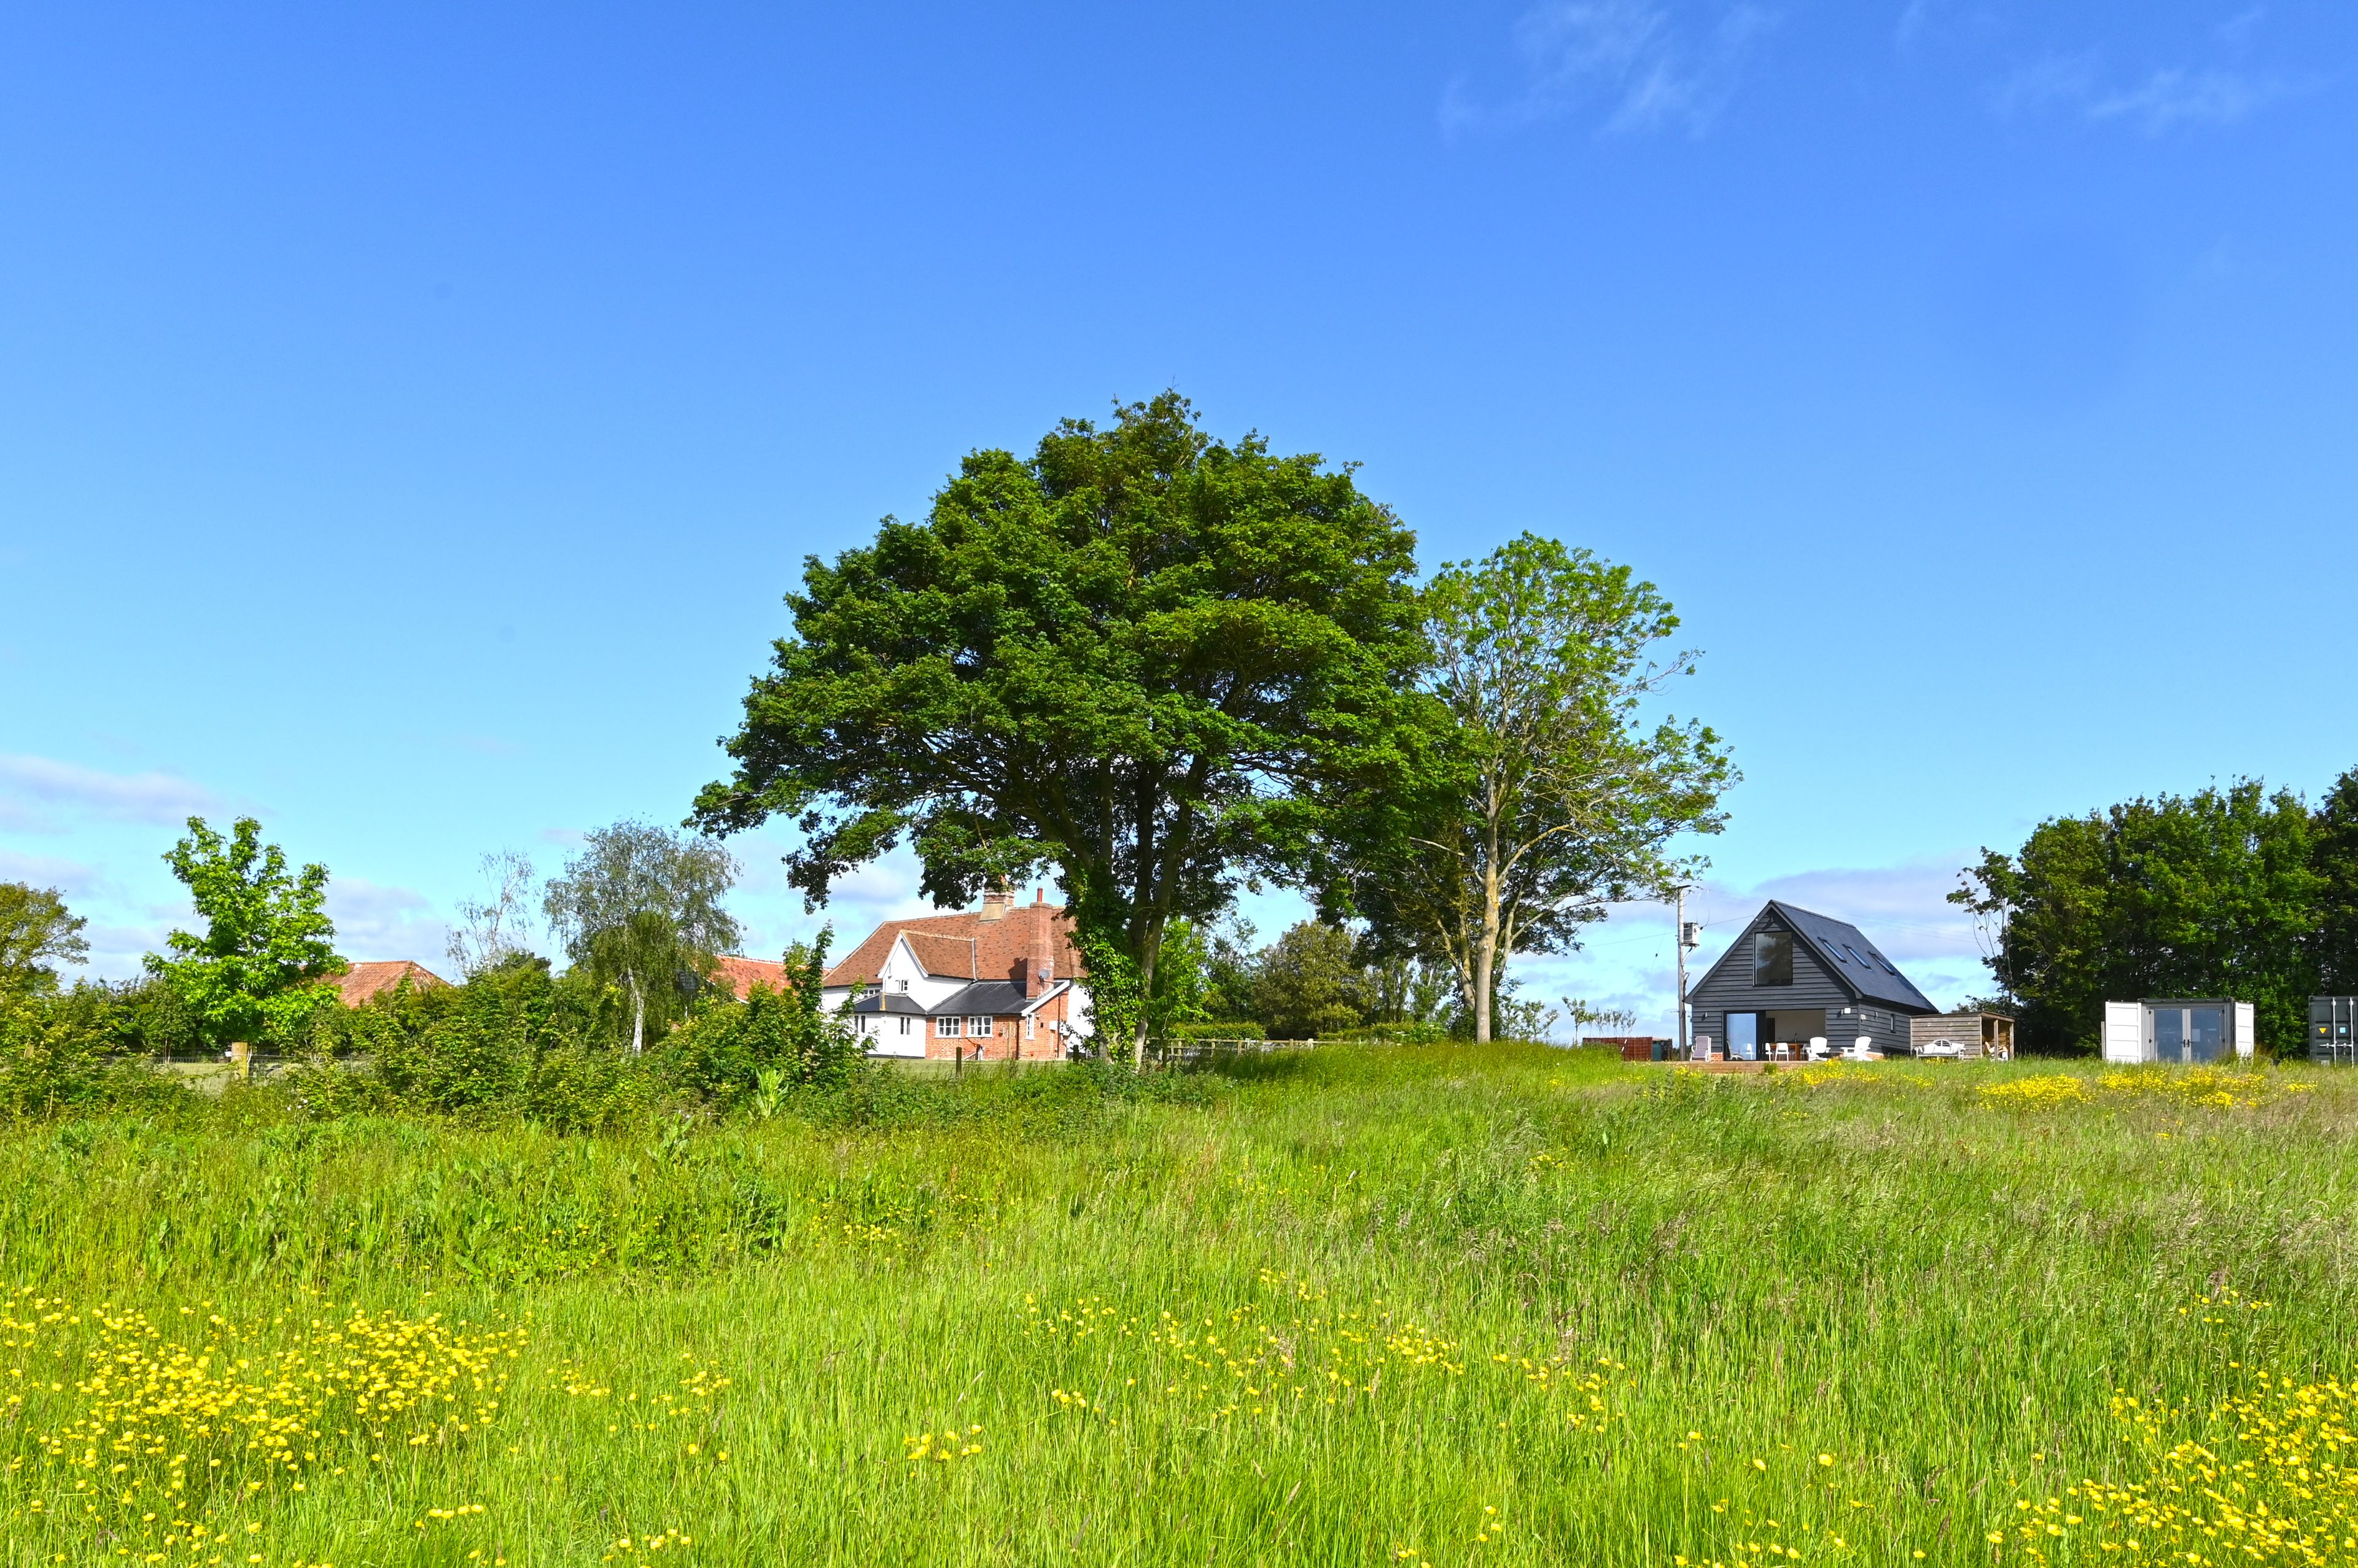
(1381, 1305)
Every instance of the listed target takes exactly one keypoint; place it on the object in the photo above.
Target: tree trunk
(638, 1018)
(1145, 996)
(1485, 955)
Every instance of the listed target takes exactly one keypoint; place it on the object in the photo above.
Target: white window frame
(1028, 1022)
(981, 1028)
(950, 1028)
(904, 1023)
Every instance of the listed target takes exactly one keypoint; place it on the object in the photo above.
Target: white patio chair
(1818, 1049)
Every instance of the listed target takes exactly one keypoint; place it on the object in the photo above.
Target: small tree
(1538, 795)
(1581, 1014)
(36, 930)
(638, 908)
(491, 931)
(254, 973)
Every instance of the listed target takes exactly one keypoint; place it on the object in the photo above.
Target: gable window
(905, 988)
(1772, 959)
(950, 1028)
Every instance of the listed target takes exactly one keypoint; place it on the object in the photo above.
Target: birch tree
(639, 909)
(1540, 794)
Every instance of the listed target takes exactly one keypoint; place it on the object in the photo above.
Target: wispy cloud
(39, 794)
(2165, 98)
(45, 871)
(2168, 100)
(373, 920)
(1635, 62)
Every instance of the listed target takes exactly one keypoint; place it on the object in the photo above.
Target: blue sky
(409, 417)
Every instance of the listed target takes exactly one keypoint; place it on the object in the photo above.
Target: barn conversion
(1794, 976)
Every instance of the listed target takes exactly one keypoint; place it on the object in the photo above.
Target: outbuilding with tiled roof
(357, 983)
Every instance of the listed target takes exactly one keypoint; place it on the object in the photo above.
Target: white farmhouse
(1001, 982)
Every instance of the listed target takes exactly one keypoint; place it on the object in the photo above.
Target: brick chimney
(1040, 964)
(996, 903)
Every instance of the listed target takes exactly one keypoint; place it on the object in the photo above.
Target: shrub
(1233, 1030)
(69, 1053)
(1399, 1034)
(721, 1054)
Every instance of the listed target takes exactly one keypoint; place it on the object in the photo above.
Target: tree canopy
(1136, 655)
(267, 943)
(37, 932)
(1539, 793)
(639, 908)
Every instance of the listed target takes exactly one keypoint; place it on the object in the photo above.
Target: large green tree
(1540, 792)
(2334, 856)
(37, 932)
(638, 908)
(254, 972)
(1136, 655)
(2215, 893)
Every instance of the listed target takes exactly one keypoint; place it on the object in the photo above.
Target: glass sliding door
(2206, 1034)
(2188, 1036)
(1743, 1036)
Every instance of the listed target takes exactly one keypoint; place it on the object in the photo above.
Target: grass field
(1408, 1306)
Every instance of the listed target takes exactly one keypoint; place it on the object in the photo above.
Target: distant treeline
(2239, 892)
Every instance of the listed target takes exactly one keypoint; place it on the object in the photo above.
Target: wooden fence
(1200, 1050)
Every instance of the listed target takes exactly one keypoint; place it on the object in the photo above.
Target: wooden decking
(1727, 1067)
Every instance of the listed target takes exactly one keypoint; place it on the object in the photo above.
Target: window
(1028, 1022)
(1834, 952)
(1743, 1036)
(1772, 959)
(950, 1028)
(978, 1027)
(904, 1023)
(905, 988)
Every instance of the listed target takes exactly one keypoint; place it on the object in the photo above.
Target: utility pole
(1686, 941)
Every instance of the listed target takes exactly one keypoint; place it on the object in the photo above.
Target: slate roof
(356, 983)
(986, 996)
(995, 998)
(897, 1002)
(1843, 951)
(965, 945)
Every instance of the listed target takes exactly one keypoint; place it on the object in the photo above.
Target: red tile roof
(356, 983)
(967, 945)
(740, 974)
